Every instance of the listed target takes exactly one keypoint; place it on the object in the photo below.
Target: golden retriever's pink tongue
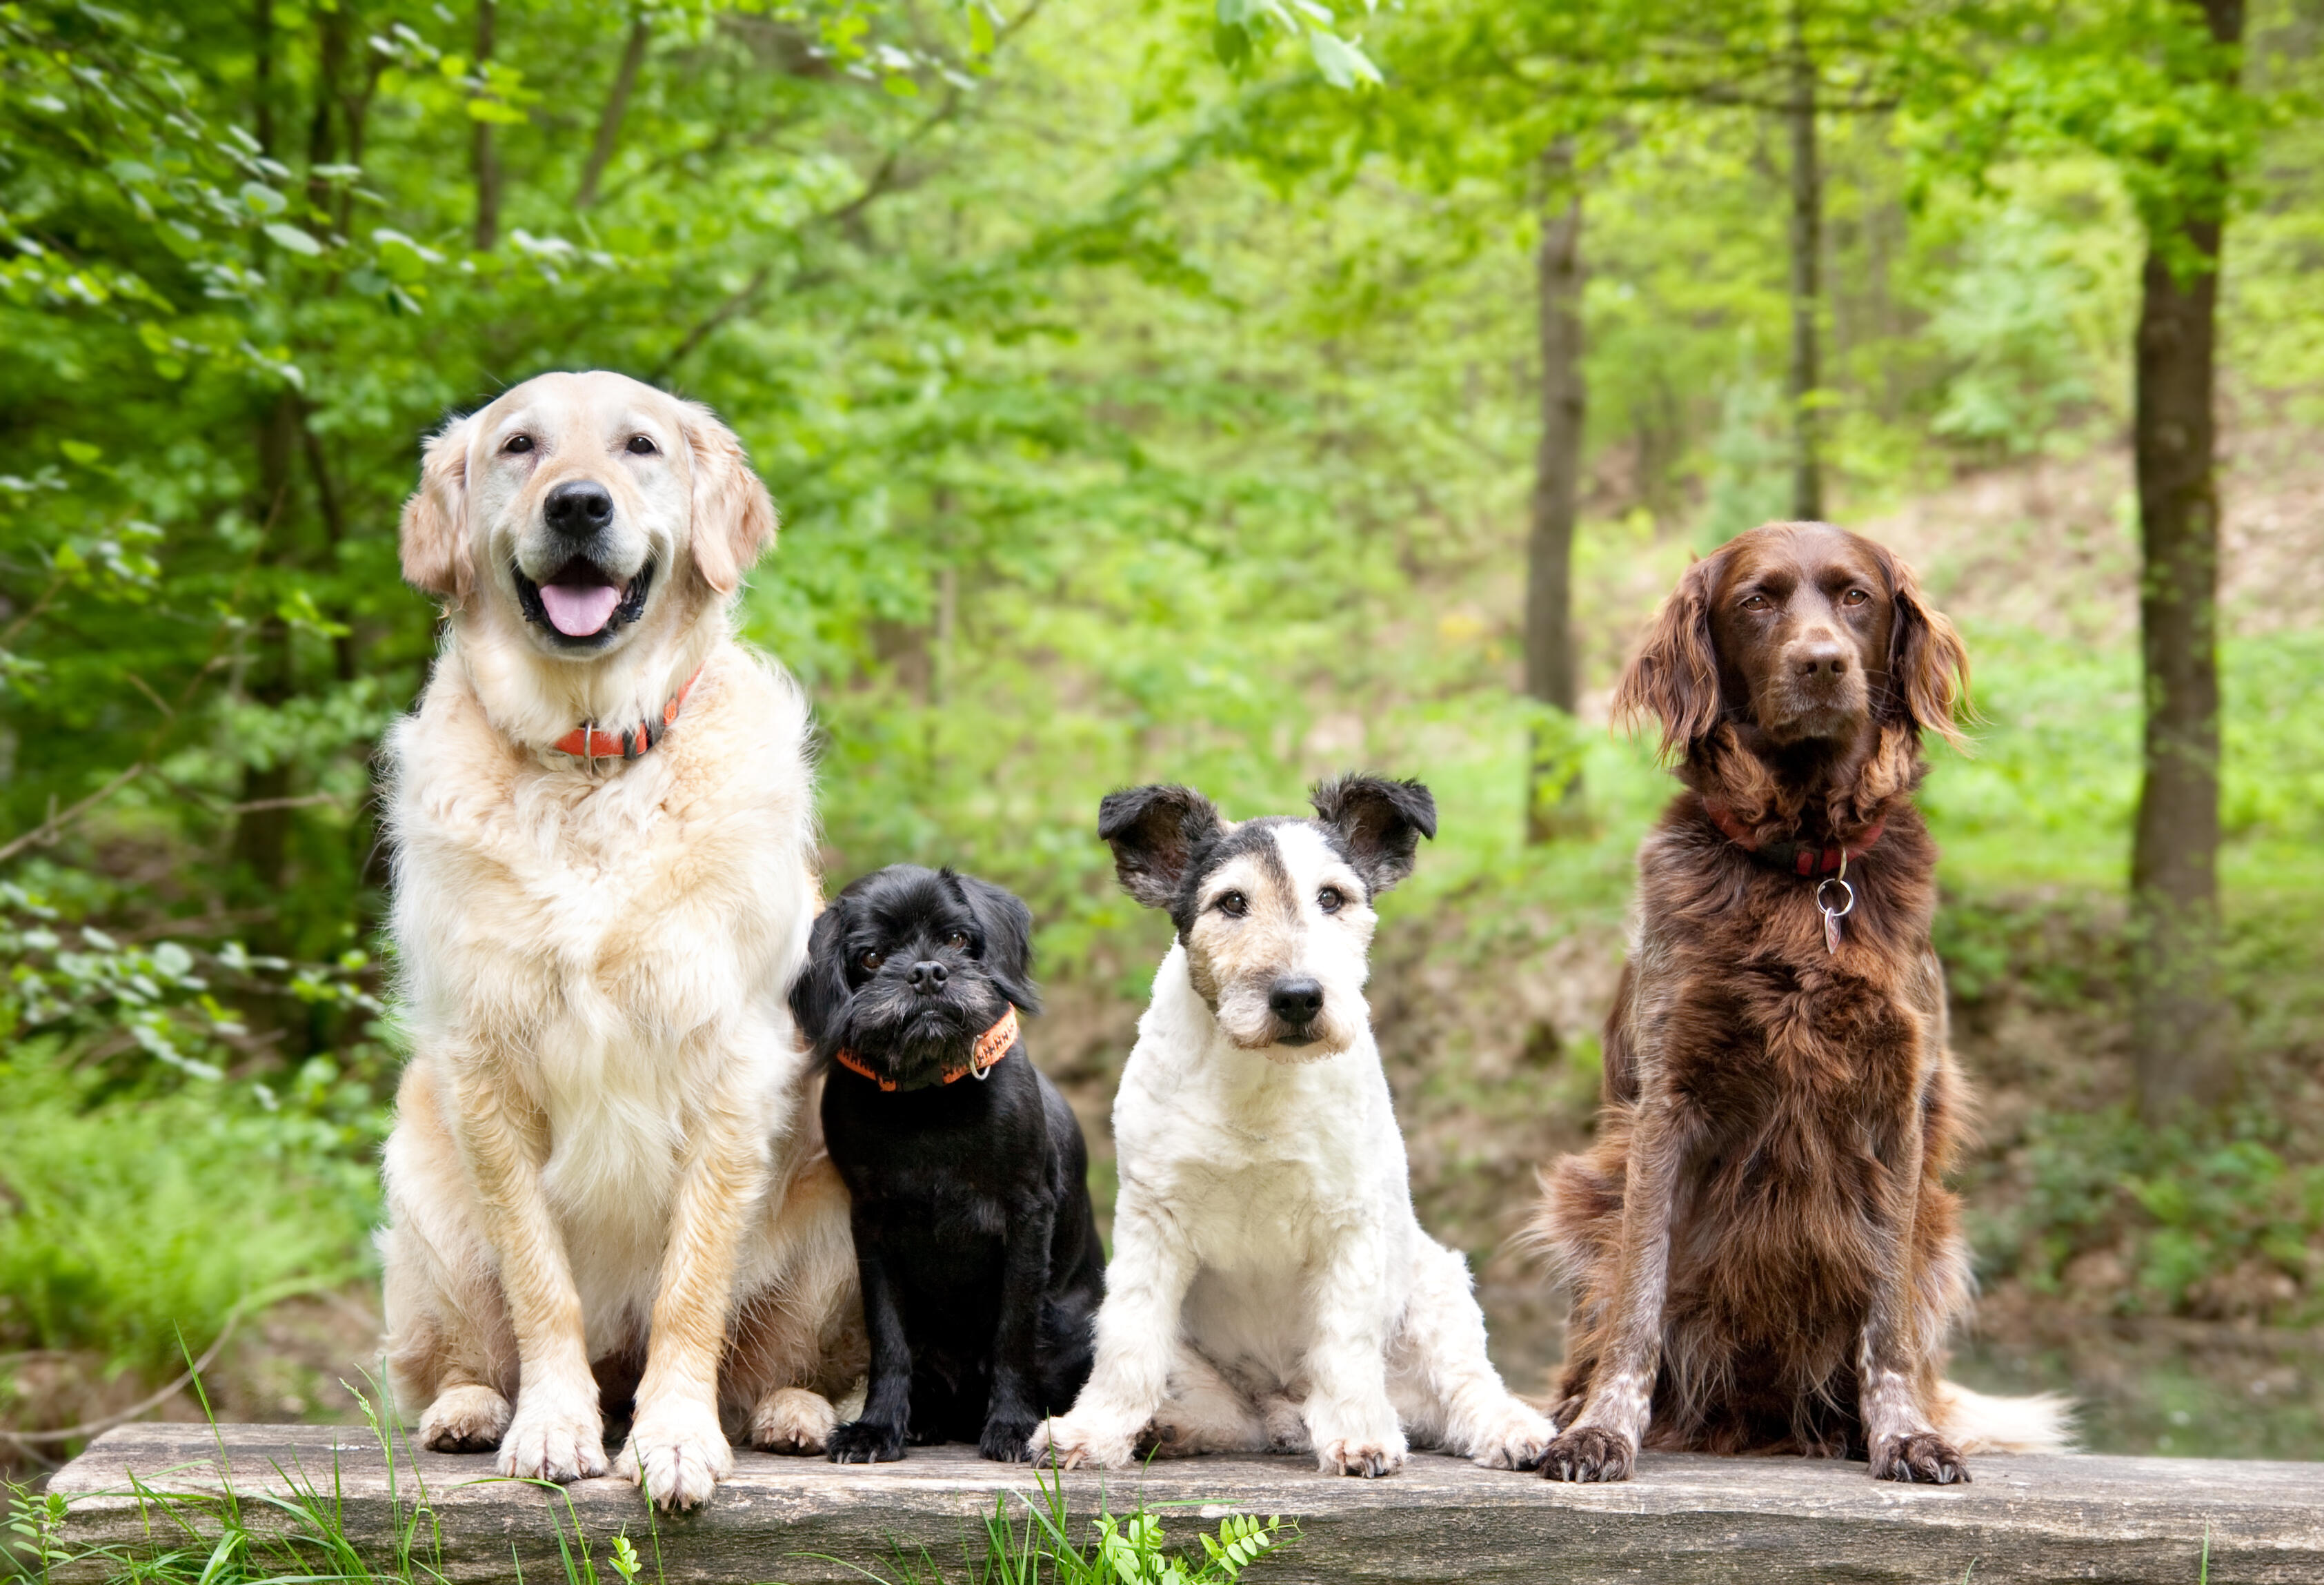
(580, 610)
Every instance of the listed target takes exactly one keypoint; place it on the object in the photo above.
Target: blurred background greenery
(1156, 391)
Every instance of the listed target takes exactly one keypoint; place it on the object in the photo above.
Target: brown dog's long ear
(1674, 676)
(1379, 822)
(733, 516)
(1928, 664)
(434, 536)
(1154, 832)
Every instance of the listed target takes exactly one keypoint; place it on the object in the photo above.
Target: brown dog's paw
(1923, 1456)
(1589, 1452)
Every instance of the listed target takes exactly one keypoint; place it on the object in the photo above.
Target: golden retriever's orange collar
(991, 1047)
(586, 742)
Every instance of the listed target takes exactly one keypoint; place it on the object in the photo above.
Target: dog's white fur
(1270, 1284)
(604, 1144)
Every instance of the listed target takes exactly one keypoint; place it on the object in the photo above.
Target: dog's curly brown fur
(1762, 1253)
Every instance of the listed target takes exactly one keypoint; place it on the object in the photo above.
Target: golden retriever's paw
(1367, 1458)
(1074, 1442)
(1589, 1452)
(1923, 1456)
(559, 1442)
(468, 1419)
(677, 1451)
(1515, 1438)
(793, 1419)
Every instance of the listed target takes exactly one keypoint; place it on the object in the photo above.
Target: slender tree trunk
(261, 75)
(261, 835)
(1554, 806)
(617, 104)
(1806, 248)
(2176, 1009)
(487, 156)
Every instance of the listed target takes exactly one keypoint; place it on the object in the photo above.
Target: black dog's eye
(873, 960)
(1854, 597)
(1233, 904)
(640, 445)
(518, 444)
(957, 940)
(1329, 899)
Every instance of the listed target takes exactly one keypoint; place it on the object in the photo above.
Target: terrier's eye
(642, 446)
(517, 445)
(957, 940)
(1854, 597)
(873, 960)
(1233, 904)
(1329, 899)
(1757, 603)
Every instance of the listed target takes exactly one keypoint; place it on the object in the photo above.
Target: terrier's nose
(1823, 657)
(927, 978)
(1295, 1001)
(578, 507)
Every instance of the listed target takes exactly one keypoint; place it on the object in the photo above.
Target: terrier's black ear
(1379, 822)
(819, 995)
(1007, 925)
(1154, 831)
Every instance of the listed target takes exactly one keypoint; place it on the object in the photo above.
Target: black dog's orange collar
(991, 1047)
(1799, 857)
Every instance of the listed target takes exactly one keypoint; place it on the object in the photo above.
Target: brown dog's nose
(578, 507)
(927, 977)
(1822, 658)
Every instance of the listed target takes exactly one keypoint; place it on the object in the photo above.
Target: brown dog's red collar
(1799, 857)
(588, 742)
(991, 1047)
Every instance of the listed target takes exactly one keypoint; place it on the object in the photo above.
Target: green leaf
(1342, 64)
(291, 239)
(79, 451)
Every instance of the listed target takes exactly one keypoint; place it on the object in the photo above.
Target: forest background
(1231, 396)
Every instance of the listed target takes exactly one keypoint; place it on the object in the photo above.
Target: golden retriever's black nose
(578, 507)
(1295, 1001)
(927, 978)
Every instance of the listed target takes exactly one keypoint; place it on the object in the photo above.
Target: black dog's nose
(927, 978)
(577, 507)
(1295, 1001)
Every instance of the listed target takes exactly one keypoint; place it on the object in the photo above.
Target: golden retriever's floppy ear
(1674, 676)
(434, 537)
(733, 517)
(1928, 664)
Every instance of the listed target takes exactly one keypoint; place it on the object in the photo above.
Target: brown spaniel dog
(1762, 1253)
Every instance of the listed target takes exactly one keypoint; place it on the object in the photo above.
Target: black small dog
(974, 1230)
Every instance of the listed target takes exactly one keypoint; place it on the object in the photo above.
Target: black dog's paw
(1923, 1457)
(1587, 1452)
(1007, 1438)
(863, 1441)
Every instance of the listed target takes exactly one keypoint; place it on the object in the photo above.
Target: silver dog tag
(1833, 916)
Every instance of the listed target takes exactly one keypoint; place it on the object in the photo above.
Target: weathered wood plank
(1682, 1520)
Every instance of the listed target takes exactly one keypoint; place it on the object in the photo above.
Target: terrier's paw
(677, 1451)
(793, 1419)
(1589, 1452)
(1075, 1442)
(1923, 1456)
(1285, 1423)
(866, 1441)
(469, 1418)
(559, 1441)
(1515, 1438)
(1007, 1438)
(1347, 1455)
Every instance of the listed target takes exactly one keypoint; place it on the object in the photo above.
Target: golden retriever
(605, 1166)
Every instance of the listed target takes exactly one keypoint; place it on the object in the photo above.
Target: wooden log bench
(1682, 1519)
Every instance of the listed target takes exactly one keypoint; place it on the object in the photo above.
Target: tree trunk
(1805, 376)
(261, 76)
(487, 156)
(261, 834)
(2176, 1010)
(1554, 794)
(617, 103)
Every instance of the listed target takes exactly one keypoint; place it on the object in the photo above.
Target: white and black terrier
(1271, 1287)
(974, 1235)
